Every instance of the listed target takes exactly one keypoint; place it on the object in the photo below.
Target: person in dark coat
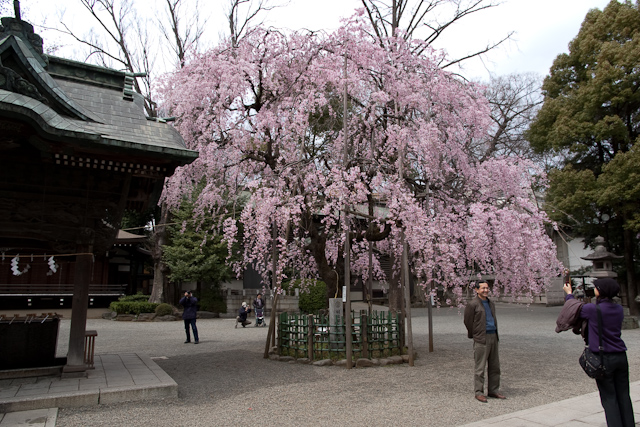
(258, 309)
(190, 304)
(614, 387)
(242, 314)
(258, 303)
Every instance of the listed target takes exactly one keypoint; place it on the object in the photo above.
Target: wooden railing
(64, 289)
(89, 348)
(313, 337)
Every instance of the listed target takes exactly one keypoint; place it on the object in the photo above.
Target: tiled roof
(123, 121)
(43, 80)
(82, 108)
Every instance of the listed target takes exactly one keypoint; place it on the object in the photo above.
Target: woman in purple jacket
(614, 387)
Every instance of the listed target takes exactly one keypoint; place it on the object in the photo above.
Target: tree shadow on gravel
(227, 374)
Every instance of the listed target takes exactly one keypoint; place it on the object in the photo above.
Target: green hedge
(133, 307)
(164, 309)
(212, 299)
(139, 297)
(313, 298)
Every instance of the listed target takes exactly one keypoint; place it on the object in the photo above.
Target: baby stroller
(260, 317)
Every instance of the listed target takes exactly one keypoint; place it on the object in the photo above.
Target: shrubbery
(133, 304)
(164, 309)
(313, 298)
(211, 299)
(133, 307)
(139, 297)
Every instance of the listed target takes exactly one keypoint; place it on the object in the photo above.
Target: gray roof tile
(119, 122)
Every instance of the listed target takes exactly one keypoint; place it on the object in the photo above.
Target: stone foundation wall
(234, 302)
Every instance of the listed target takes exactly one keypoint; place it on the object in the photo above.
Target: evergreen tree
(196, 253)
(590, 120)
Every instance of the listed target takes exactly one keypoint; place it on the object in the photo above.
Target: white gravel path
(224, 381)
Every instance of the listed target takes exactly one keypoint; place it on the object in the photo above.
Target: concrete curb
(71, 399)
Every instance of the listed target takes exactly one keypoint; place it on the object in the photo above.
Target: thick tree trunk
(318, 249)
(163, 290)
(334, 279)
(395, 291)
(632, 289)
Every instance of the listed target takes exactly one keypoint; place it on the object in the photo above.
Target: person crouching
(242, 314)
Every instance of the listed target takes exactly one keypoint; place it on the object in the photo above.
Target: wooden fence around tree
(313, 337)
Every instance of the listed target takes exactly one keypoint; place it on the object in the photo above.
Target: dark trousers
(486, 355)
(191, 322)
(614, 391)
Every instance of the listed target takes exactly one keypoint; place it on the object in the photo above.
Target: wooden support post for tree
(403, 311)
(430, 313)
(347, 282)
(271, 339)
(407, 299)
(310, 336)
(364, 334)
(347, 240)
(272, 327)
(404, 268)
(370, 279)
(282, 331)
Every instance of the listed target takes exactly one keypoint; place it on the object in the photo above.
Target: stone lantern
(602, 260)
(603, 267)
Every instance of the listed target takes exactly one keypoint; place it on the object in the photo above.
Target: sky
(542, 28)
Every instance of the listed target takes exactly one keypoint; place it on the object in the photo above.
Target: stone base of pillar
(74, 371)
(630, 322)
(554, 293)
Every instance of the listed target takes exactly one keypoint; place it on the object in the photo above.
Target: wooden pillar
(80, 303)
(407, 298)
(271, 335)
(430, 313)
(347, 240)
(364, 334)
(310, 329)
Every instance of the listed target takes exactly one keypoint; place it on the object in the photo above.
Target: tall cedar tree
(590, 119)
(194, 252)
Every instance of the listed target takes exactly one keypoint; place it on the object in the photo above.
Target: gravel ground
(225, 380)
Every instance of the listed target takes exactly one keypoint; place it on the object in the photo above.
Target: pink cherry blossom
(266, 117)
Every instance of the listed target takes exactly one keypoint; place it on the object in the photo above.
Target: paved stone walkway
(33, 418)
(116, 378)
(580, 411)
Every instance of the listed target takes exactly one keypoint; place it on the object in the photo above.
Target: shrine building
(76, 151)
